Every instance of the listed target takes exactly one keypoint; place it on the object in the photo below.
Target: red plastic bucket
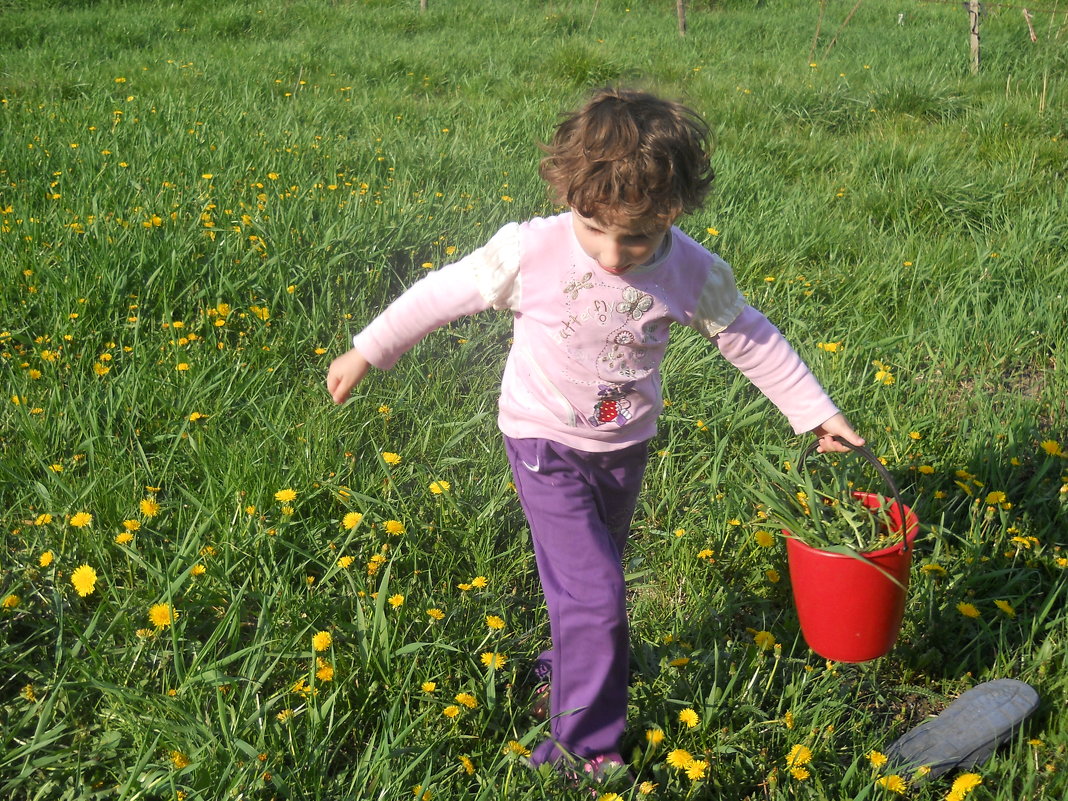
(850, 607)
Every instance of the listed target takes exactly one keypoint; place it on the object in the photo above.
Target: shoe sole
(968, 731)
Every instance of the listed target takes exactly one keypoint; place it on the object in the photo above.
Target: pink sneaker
(606, 769)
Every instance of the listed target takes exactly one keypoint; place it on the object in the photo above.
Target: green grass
(238, 188)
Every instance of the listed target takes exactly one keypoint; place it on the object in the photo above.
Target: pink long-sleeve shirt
(584, 367)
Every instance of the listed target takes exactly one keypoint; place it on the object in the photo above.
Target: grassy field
(217, 585)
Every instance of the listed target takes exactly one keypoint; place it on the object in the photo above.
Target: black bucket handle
(880, 468)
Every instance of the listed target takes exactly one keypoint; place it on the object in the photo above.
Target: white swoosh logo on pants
(533, 468)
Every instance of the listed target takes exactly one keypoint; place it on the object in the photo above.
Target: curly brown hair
(630, 154)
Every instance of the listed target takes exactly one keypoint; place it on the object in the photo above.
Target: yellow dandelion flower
(325, 671)
(516, 748)
(123, 538)
(679, 758)
(451, 711)
(43, 519)
(893, 783)
(285, 495)
(197, 570)
(396, 601)
(996, 497)
(149, 507)
(468, 765)
(435, 613)
(179, 760)
(967, 609)
(681, 661)
(322, 640)
(284, 715)
(799, 755)
(772, 575)
(926, 469)
(345, 562)
(689, 717)
(439, 487)
(428, 686)
(391, 458)
(764, 640)
(394, 527)
(788, 719)
(494, 659)
(800, 773)
(876, 758)
(963, 785)
(81, 519)
(1050, 446)
(84, 580)
(351, 520)
(654, 736)
(495, 622)
(647, 788)
(480, 582)
(45, 559)
(764, 539)
(1005, 607)
(162, 615)
(697, 770)
(10, 601)
(466, 699)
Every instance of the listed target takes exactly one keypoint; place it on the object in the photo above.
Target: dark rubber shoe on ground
(967, 731)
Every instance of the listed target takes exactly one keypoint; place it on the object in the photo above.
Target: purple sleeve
(437, 299)
(757, 348)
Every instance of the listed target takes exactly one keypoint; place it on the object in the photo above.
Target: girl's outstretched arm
(346, 371)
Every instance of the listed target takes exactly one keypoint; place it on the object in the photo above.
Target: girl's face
(618, 246)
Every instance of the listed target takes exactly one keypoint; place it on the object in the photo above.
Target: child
(592, 293)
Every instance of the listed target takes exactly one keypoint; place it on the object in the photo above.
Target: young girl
(592, 294)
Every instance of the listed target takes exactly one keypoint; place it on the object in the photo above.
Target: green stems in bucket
(823, 508)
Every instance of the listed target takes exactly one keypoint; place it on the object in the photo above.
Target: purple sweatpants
(579, 506)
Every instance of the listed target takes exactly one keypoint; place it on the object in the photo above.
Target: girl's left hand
(836, 426)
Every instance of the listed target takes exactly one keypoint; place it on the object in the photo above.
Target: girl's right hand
(346, 371)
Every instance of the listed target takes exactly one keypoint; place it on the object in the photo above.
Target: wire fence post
(974, 9)
(680, 6)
